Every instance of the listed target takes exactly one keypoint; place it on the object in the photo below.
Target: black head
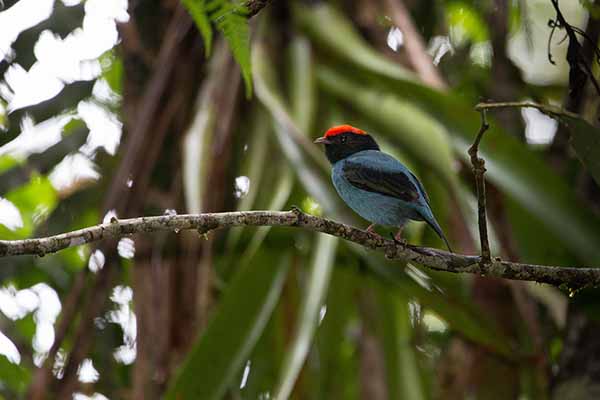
(344, 140)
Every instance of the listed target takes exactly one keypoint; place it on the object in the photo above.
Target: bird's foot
(372, 231)
(299, 214)
(391, 251)
(296, 209)
(398, 239)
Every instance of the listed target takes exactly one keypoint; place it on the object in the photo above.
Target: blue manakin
(374, 184)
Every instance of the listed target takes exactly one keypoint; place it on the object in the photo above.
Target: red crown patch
(337, 130)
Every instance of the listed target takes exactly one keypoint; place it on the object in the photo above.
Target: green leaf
(13, 376)
(303, 85)
(112, 70)
(35, 202)
(315, 291)
(267, 355)
(197, 9)
(459, 312)
(232, 22)
(465, 23)
(592, 6)
(281, 193)
(305, 157)
(7, 162)
(404, 377)
(230, 336)
(302, 99)
(271, 195)
(269, 94)
(198, 139)
(338, 362)
(332, 30)
(253, 167)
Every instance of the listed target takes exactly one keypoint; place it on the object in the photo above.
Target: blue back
(376, 207)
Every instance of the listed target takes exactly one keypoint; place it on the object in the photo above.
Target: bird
(374, 184)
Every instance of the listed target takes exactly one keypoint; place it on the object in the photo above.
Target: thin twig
(573, 277)
(479, 171)
(549, 110)
(575, 56)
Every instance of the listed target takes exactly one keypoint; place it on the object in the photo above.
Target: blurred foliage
(229, 339)
(230, 19)
(294, 314)
(467, 23)
(35, 200)
(592, 6)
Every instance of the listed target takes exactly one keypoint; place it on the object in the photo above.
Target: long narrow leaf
(281, 193)
(460, 315)
(308, 318)
(337, 365)
(199, 135)
(268, 93)
(335, 32)
(303, 84)
(294, 144)
(253, 168)
(226, 343)
(232, 22)
(404, 377)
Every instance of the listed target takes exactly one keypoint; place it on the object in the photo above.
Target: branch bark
(551, 111)
(573, 277)
(254, 6)
(478, 171)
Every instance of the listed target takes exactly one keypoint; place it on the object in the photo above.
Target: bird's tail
(436, 227)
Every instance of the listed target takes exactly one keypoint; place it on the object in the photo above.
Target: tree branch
(551, 111)
(577, 75)
(478, 171)
(573, 277)
(254, 6)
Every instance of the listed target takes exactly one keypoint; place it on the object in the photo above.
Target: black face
(343, 145)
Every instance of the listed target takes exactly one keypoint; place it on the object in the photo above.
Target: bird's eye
(343, 139)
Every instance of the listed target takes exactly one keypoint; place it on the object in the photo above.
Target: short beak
(322, 140)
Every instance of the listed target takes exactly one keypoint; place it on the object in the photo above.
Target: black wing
(393, 184)
(421, 188)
